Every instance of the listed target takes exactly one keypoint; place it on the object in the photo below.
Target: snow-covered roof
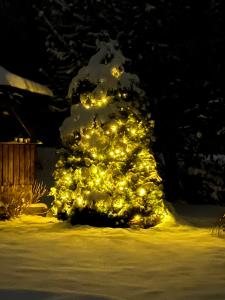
(11, 79)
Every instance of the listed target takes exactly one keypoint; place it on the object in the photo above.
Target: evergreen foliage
(202, 160)
(106, 174)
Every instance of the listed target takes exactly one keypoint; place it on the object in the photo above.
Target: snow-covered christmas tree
(106, 174)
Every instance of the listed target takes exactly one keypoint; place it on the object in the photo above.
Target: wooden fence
(17, 166)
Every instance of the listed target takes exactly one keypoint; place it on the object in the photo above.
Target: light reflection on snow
(180, 259)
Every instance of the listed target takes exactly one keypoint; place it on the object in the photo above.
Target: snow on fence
(17, 168)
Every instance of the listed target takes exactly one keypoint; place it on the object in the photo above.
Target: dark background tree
(175, 47)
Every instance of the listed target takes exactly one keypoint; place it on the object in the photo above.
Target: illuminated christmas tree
(106, 174)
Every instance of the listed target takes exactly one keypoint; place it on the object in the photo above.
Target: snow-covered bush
(15, 199)
(106, 174)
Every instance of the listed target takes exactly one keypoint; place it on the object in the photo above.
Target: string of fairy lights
(110, 169)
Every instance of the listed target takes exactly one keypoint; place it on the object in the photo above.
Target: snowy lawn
(42, 258)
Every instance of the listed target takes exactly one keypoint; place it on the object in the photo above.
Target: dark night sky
(19, 38)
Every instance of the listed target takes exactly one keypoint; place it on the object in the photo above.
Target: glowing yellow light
(133, 131)
(136, 219)
(118, 177)
(88, 100)
(68, 178)
(114, 128)
(104, 100)
(116, 72)
(142, 192)
(121, 185)
(122, 182)
(118, 204)
(79, 201)
(94, 170)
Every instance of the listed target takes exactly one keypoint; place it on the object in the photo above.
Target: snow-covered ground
(42, 258)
